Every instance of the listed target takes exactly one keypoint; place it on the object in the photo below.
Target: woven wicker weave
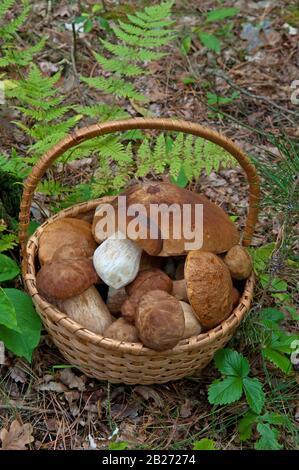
(108, 359)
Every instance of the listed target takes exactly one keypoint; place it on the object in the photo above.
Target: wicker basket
(104, 358)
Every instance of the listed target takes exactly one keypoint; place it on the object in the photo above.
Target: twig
(252, 95)
(26, 408)
(74, 49)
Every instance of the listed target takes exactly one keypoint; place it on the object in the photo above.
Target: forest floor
(71, 411)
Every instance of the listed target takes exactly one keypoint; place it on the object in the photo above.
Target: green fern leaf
(144, 159)
(120, 66)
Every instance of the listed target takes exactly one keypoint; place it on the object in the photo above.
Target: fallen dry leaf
(51, 387)
(149, 392)
(17, 437)
(71, 380)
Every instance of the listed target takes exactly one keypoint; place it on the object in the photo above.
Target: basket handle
(96, 130)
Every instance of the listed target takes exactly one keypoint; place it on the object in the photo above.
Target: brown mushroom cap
(209, 287)
(236, 296)
(160, 320)
(219, 232)
(239, 262)
(63, 279)
(68, 251)
(146, 281)
(151, 246)
(71, 231)
(122, 331)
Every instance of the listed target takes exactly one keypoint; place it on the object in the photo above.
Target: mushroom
(179, 290)
(115, 299)
(88, 309)
(68, 251)
(122, 331)
(107, 222)
(209, 287)
(192, 325)
(71, 231)
(146, 281)
(239, 262)
(151, 194)
(117, 260)
(63, 279)
(236, 297)
(160, 320)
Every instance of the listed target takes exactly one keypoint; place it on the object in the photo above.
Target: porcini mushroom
(160, 320)
(179, 290)
(146, 281)
(63, 279)
(88, 309)
(239, 262)
(192, 325)
(209, 287)
(117, 260)
(71, 231)
(122, 331)
(115, 299)
(215, 240)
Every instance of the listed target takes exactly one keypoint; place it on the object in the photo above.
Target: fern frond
(121, 66)
(139, 41)
(10, 29)
(142, 31)
(115, 86)
(188, 157)
(160, 155)
(175, 157)
(102, 112)
(144, 159)
(5, 5)
(20, 57)
(44, 115)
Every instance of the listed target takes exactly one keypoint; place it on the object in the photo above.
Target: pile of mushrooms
(144, 290)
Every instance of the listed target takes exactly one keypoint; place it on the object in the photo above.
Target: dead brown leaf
(186, 409)
(147, 393)
(70, 379)
(17, 437)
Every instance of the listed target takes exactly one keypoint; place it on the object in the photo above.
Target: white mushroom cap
(117, 260)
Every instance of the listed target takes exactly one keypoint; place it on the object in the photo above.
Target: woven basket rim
(134, 348)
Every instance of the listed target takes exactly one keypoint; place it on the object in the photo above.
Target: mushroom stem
(117, 259)
(116, 298)
(179, 290)
(88, 309)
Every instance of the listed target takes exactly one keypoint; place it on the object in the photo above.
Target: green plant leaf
(22, 343)
(254, 394)
(221, 13)
(292, 311)
(278, 359)
(8, 268)
(204, 444)
(121, 445)
(8, 316)
(223, 392)
(210, 41)
(212, 98)
(181, 179)
(272, 314)
(230, 362)
(245, 426)
(186, 44)
(268, 439)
